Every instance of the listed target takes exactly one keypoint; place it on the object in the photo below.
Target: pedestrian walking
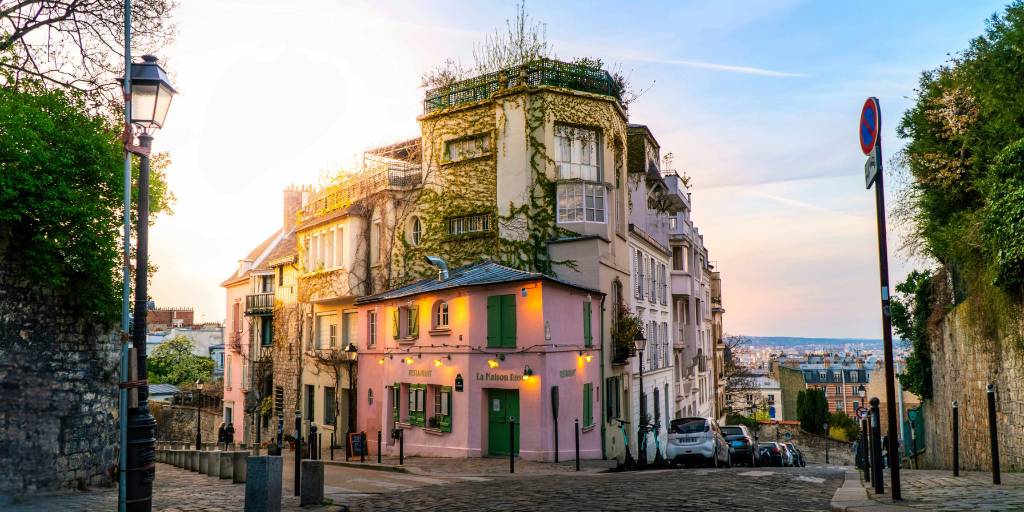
(229, 434)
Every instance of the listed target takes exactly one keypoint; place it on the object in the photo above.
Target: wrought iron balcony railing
(549, 72)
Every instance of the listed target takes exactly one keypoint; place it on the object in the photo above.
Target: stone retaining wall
(964, 362)
(58, 391)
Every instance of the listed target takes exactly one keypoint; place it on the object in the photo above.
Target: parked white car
(697, 440)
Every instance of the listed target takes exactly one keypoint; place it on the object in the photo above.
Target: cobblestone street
(798, 489)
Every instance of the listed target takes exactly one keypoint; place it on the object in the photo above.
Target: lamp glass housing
(639, 341)
(151, 93)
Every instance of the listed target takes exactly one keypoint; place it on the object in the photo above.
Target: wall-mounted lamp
(586, 357)
(408, 360)
(522, 291)
(380, 361)
(493, 363)
(527, 372)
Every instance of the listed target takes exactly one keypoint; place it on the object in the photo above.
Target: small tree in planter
(627, 324)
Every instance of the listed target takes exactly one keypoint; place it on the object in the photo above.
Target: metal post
(141, 424)
(199, 422)
(883, 274)
(556, 440)
(865, 458)
(876, 448)
(641, 451)
(362, 452)
(298, 450)
(577, 444)
(511, 444)
(280, 434)
(993, 434)
(333, 441)
(828, 438)
(380, 446)
(401, 446)
(956, 438)
(913, 444)
(126, 271)
(320, 446)
(348, 449)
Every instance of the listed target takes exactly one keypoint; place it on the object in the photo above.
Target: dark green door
(502, 404)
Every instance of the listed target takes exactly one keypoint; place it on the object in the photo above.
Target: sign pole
(883, 271)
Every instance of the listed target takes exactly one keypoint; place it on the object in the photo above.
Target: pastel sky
(758, 100)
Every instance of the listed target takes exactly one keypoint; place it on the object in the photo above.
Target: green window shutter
(587, 337)
(445, 421)
(397, 394)
(588, 405)
(394, 323)
(508, 321)
(494, 321)
(414, 321)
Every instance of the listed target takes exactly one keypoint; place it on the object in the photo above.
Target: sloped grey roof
(477, 274)
(163, 389)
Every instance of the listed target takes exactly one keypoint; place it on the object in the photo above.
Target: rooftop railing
(549, 72)
(378, 174)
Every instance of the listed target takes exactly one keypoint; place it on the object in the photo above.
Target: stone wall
(58, 380)
(177, 423)
(964, 362)
(811, 445)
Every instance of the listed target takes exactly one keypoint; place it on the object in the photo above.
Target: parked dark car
(798, 459)
(742, 444)
(771, 454)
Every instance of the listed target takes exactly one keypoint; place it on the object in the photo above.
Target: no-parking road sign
(870, 125)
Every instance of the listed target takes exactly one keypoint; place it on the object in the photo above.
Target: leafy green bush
(174, 363)
(842, 427)
(910, 309)
(1004, 217)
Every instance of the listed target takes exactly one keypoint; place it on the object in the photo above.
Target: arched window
(441, 315)
(417, 231)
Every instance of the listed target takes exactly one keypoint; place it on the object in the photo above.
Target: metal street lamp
(863, 392)
(150, 98)
(640, 342)
(199, 414)
(350, 355)
(826, 442)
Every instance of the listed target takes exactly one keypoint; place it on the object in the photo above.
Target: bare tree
(738, 379)
(77, 44)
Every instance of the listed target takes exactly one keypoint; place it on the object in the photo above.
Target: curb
(853, 497)
(365, 465)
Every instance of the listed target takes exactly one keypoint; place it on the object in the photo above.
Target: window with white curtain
(576, 153)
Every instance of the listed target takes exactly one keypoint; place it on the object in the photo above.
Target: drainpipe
(604, 455)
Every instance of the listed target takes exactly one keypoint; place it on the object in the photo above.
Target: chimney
(292, 203)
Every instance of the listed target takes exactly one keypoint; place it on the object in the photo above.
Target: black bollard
(362, 451)
(348, 449)
(380, 446)
(876, 448)
(577, 444)
(993, 434)
(401, 447)
(334, 440)
(298, 451)
(956, 438)
(865, 457)
(320, 446)
(511, 444)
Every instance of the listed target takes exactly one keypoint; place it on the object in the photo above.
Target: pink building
(451, 360)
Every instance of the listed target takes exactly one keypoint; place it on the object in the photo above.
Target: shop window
(588, 405)
(501, 321)
(442, 408)
(417, 404)
(405, 323)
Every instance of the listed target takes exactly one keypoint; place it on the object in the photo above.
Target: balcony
(681, 283)
(259, 304)
(542, 72)
(379, 174)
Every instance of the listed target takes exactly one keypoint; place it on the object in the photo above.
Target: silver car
(697, 440)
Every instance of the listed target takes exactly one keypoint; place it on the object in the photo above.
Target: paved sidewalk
(175, 490)
(936, 490)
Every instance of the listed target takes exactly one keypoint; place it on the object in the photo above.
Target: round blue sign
(870, 125)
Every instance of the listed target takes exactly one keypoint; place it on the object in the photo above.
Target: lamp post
(640, 342)
(350, 356)
(151, 94)
(826, 443)
(199, 414)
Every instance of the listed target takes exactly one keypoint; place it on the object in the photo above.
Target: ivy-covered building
(525, 167)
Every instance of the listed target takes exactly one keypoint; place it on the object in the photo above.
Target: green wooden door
(502, 404)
